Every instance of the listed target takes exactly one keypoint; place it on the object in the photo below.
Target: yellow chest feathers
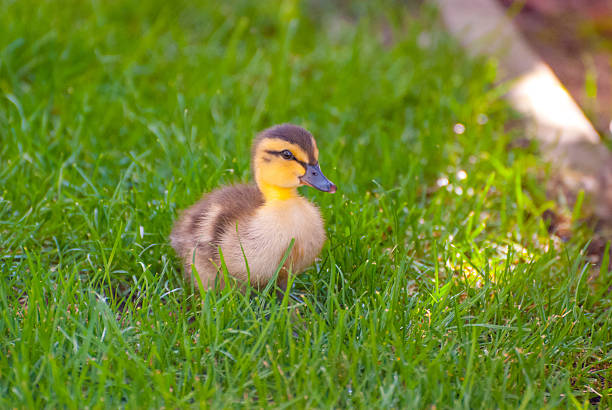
(278, 222)
(295, 218)
(266, 236)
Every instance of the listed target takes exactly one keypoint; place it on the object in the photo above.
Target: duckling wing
(201, 227)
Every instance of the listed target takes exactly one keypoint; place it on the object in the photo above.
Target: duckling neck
(273, 193)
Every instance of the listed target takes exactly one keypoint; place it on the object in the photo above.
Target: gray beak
(315, 178)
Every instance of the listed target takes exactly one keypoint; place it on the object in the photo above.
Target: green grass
(116, 115)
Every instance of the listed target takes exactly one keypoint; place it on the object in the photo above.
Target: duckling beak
(315, 178)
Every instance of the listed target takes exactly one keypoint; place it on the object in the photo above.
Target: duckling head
(284, 157)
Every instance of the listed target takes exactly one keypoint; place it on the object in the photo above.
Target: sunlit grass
(439, 284)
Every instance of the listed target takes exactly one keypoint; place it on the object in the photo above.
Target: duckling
(253, 224)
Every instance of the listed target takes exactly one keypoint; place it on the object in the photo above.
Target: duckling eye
(286, 154)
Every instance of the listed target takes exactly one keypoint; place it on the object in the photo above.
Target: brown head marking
(293, 134)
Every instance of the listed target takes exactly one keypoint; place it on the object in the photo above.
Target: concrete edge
(567, 139)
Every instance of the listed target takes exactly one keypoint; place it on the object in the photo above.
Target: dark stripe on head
(279, 154)
(291, 133)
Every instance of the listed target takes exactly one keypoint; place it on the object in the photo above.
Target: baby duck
(253, 224)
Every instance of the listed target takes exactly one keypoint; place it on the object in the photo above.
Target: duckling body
(253, 225)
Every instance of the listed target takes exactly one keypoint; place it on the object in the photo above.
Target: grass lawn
(439, 284)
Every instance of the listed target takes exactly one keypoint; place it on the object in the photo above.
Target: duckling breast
(264, 239)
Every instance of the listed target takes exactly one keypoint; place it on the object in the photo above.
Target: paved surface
(567, 139)
(574, 37)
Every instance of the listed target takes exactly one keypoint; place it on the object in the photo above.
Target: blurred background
(575, 38)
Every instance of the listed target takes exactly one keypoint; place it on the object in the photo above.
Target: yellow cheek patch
(280, 170)
(294, 168)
